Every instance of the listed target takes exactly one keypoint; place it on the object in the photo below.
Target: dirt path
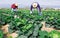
(5, 31)
(5, 28)
(47, 29)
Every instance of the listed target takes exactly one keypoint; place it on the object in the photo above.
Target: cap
(16, 4)
(34, 4)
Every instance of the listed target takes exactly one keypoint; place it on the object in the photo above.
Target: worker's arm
(39, 10)
(31, 9)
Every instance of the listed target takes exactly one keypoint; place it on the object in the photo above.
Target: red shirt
(14, 6)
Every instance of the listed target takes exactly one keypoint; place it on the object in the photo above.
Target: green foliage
(29, 24)
(43, 34)
(10, 37)
(52, 18)
(54, 34)
(24, 23)
(1, 34)
(5, 18)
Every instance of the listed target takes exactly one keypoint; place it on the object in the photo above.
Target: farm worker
(14, 7)
(37, 6)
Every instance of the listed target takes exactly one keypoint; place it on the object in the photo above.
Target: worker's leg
(40, 13)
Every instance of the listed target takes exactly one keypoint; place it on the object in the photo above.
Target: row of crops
(52, 18)
(28, 25)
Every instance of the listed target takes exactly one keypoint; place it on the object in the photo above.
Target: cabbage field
(28, 25)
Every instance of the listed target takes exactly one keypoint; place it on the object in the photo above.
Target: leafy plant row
(28, 25)
(52, 18)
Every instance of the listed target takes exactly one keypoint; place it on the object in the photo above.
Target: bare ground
(47, 29)
(5, 30)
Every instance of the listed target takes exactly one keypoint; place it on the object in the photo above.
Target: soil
(46, 28)
(5, 31)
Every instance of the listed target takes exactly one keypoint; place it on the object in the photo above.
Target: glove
(40, 13)
(15, 16)
(30, 12)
